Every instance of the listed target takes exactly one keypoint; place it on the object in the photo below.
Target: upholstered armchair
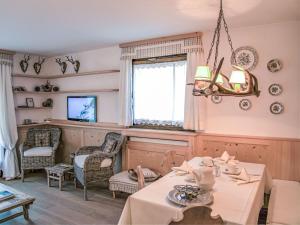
(94, 164)
(38, 150)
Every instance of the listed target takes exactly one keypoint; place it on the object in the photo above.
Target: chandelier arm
(227, 79)
(213, 82)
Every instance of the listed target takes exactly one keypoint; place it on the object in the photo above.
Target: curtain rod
(160, 39)
(2, 51)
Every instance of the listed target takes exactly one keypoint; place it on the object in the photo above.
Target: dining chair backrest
(168, 161)
(198, 215)
(141, 178)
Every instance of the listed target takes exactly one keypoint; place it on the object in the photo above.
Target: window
(159, 91)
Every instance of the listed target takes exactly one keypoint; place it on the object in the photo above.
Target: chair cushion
(39, 151)
(121, 182)
(109, 145)
(42, 139)
(79, 160)
(284, 204)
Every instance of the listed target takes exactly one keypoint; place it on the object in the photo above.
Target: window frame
(154, 60)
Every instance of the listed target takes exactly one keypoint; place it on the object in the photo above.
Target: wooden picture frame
(30, 102)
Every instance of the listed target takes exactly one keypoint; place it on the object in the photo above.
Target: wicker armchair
(93, 165)
(33, 157)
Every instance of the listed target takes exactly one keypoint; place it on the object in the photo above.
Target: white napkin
(244, 177)
(225, 156)
(185, 168)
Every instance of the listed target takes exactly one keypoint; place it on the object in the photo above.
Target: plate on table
(227, 171)
(203, 198)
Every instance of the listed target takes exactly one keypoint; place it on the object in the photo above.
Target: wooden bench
(284, 204)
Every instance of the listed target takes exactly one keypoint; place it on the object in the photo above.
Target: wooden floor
(66, 207)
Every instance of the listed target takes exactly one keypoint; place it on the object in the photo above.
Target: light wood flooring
(66, 207)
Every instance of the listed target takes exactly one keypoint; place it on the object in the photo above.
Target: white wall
(271, 41)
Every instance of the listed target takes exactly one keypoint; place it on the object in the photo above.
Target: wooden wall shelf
(67, 92)
(49, 77)
(32, 108)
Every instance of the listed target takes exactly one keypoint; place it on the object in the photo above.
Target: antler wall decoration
(38, 65)
(62, 64)
(24, 63)
(75, 63)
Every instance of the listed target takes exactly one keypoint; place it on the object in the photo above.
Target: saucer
(227, 171)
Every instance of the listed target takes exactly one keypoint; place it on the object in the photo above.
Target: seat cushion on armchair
(39, 151)
(79, 160)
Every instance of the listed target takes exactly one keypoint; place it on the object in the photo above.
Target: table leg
(48, 179)
(25, 212)
(60, 182)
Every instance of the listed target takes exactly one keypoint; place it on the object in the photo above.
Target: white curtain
(125, 98)
(195, 107)
(8, 127)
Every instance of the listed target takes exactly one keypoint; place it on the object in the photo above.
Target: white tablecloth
(236, 204)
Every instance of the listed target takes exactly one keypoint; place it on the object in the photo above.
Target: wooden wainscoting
(151, 155)
(280, 155)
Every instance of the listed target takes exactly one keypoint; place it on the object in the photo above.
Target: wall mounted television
(82, 108)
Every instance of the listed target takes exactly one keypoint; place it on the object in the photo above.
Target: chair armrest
(55, 146)
(93, 162)
(87, 150)
(23, 148)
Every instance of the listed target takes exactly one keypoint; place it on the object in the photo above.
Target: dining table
(235, 203)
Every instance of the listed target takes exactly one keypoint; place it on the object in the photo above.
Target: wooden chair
(141, 178)
(168, 161)
(198, 215)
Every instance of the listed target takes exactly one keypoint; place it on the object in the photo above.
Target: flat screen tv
(82, 108)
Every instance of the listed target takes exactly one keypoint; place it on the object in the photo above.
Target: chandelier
(213, 82)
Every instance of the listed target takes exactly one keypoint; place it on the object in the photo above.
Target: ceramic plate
(276, 108)
(275, 89)
(245, 104)
(274, 65)
(216, 99)
(202, 199)
(246, 57)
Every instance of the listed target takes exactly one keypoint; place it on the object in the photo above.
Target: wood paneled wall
(280, 155)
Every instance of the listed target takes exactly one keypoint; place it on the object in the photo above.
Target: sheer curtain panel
(195, 107)
(125, 90)
(8, 126)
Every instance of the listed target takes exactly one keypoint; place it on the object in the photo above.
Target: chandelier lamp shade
(211, 81)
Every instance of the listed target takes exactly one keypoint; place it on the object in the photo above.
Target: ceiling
(54, 27)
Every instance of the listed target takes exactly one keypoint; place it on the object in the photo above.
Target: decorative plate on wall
(246, 57)
(274, 65)
(276, 108)
(217, 99)
(245, 104)
(275, 89)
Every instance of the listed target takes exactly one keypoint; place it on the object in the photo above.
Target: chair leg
(114, 194)
(22, 175)
(85, 193)
(75, 182)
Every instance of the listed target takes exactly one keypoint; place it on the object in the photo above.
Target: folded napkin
(225, 156)
(185, 168)
(244, 177)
